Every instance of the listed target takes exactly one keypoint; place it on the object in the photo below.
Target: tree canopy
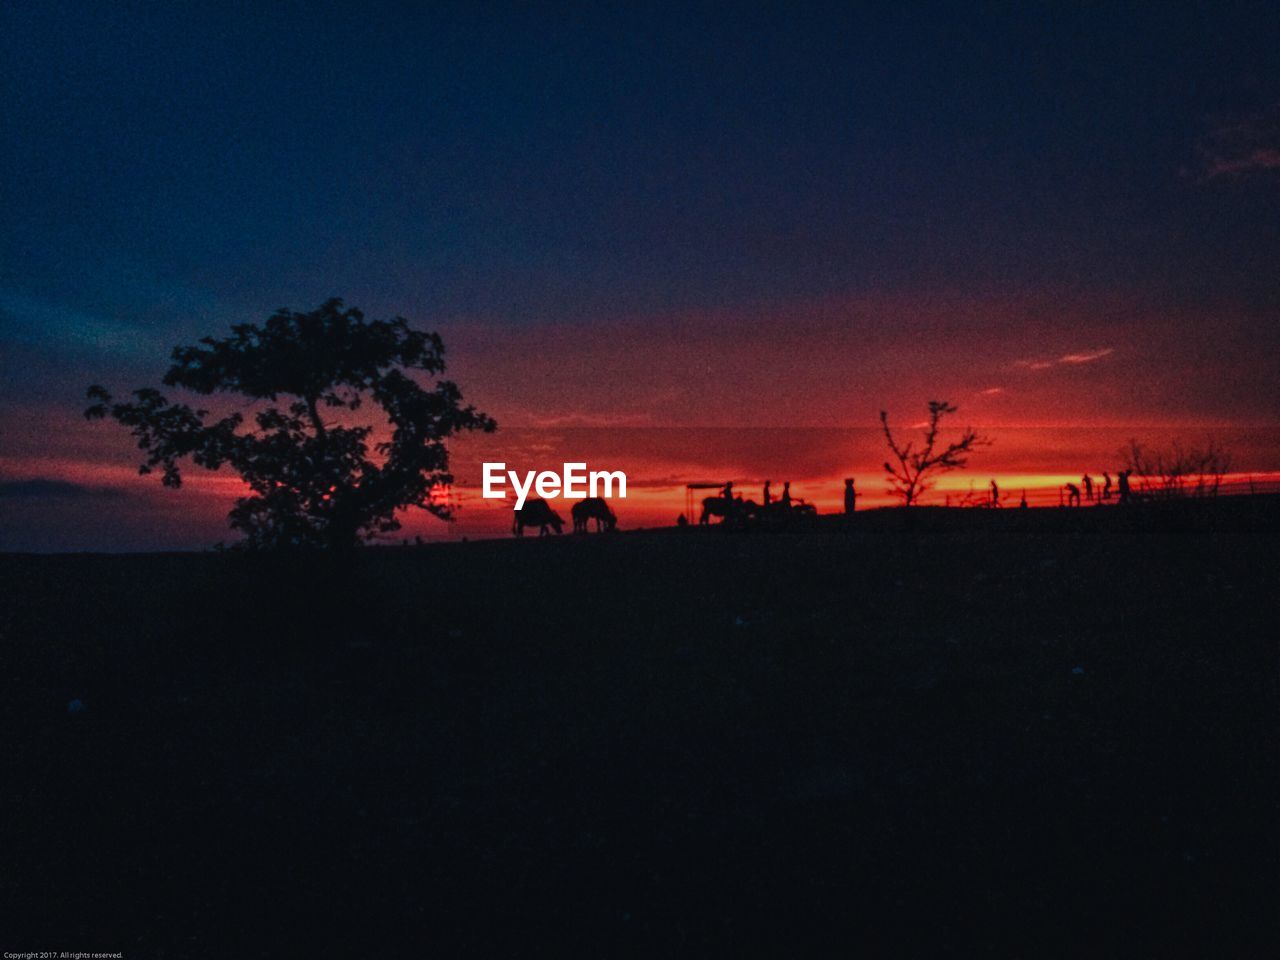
(314, 482)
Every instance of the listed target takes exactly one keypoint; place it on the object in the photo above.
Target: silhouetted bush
(1178, 471)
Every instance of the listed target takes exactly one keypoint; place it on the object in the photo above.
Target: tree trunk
(314, 411)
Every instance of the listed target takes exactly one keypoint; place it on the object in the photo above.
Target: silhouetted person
(1088, 486)
(1106, 486)
(768, 497)
(1125, 492)
(785, 499)
(727, 492)
(1073, 495)
(1022, 504)
(850, 498)
(995, 494)
(682, 521)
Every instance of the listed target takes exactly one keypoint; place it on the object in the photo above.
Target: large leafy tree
(313, 478)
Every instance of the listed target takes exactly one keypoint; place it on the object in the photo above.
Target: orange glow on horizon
(658, 461)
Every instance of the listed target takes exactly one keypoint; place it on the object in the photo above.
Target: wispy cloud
(1261, 158)
(1075, 358)
(591, 420)
(30, 320)
(992, 391)
(1086, 357)
(668, 482)
(1246, 146)
(45, 488)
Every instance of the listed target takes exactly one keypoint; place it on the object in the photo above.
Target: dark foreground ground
(1032, 735)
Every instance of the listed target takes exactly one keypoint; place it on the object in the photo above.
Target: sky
(688, 237)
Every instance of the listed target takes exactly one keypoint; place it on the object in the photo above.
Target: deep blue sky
(168, 169)
(560, 161)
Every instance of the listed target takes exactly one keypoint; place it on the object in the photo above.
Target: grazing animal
(536, 513)
(593, 508)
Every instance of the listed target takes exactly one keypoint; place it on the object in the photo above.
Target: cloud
(1073, 359)
(664, 483)
(992, 391)
(46, 488)
(1243, 147)
(591, 420)
(25, 319)
(1087, 357)
(1261, 158)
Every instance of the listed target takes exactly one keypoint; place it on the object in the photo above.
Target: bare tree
(1178, 471)
(1213, 465)
(913, 470)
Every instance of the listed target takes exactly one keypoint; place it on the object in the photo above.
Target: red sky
(791, 217)
(1048, 360)
(782, 392)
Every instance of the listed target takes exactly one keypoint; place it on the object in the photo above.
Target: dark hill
(1020, 734)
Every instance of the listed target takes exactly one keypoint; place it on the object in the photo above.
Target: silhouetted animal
(536, 513)
(728, 509)
(715, 507)
(593, 508)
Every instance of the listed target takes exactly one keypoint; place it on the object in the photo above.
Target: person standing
(768, 497)
(850, 498)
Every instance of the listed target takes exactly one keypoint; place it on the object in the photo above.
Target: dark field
(1017, 735)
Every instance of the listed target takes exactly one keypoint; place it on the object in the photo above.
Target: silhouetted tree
(913, 470)
(314, 483)
(1179, 471)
